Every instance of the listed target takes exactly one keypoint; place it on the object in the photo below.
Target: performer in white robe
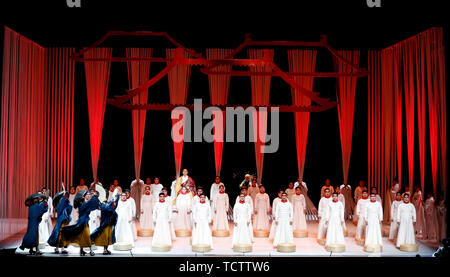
(275, 202)
(334, 219)
(361, 214)
(346, 190)
(262, 210)
(253, 190)
(155, 190)
(97, 186)
(201, 213)
(214, 190)
(51, 210)
(196, 197)
(94, 219)
(284, 217)
(290, 191)
(123, 229)
(390, 196)
(249, 200)
(162, 214)
(172, 215)
(112, 188)
(341, 199)
(242, 214)
(43, 231)
(377, 196)
(220, 206)
(146, 219)
(323, 206)
(421, 226)
(299, 206)
(311, 210)
(394, 210)
(133, 213)
(432, 231)
(137, 190)
(326, 186)
(74, 214)
(183, 210)
(406, 216)
(173, 195)
(442, 217)
(373, 216)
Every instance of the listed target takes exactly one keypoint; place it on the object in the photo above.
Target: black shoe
(32, 252)
(106, 252)
(56, 251)
(82, 253)
(38, 252)
(64, 251)
(92, 253)
(21, 247)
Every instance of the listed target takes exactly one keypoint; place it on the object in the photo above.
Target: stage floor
(262, 247)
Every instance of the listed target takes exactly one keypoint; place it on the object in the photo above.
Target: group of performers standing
(92, 216)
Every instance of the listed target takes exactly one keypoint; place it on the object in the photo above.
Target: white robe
(94, 220)
(290, 193)
(172, 190)
(361, 213)
(373, 216)
(201, 214)
(242, 215)
(183, 206)
(394, 224)
(123, 229)
(74, 214)
(406, 216)
(214, 191)
(341, 198)
(284, 215)
(273, 227)
(334, 216)
(162, 213)
(155, 190)
(262, 207)
(133, 214)
(250, 202)
(299, 206)
(44, 232)
(220, 208)
(323, 206)
(51, 214)
(252, 192)
(146, 219)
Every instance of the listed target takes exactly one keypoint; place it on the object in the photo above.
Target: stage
(262, 247)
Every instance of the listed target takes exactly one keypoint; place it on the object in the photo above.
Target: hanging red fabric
(219, 86)
(346, 87)
(260, 96)
(138, 72)
(301, 61)
(97, 78)
(179, 78)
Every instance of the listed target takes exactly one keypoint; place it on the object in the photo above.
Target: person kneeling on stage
(63, 210)
(105, 235)
(284, 216)
(79, 232)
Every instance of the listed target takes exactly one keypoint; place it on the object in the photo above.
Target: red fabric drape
(179, 78)
(97, 78)
(301, 61)
(138, 72)
(346, 87)
(398, 108)
(260, 96)
(219, 86)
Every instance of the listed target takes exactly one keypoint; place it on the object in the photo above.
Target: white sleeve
(413, 211)
(291, 213)
(321, 211)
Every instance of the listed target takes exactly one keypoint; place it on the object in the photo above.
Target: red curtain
(97, 78)
(301, 61)
(179, 78)
(138, 72)
(345, 94)
(260, 96)
(398, 108)
(219, 86)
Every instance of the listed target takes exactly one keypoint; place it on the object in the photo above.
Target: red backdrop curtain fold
(260, 96)
(97, 78)
(301, 61)
(179, 78)
(346, 88)
(138, 72)
(219, 86)
(398, 109)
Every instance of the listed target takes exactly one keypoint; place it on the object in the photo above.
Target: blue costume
(79, 232)
(35, 213)
(63, 210)
(104, 235)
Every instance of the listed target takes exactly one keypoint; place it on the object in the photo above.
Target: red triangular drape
(260, 96)
(346, 87)
(179, 78)
(301, 61)
(219, 86)
(138, 72)
(97, 77)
